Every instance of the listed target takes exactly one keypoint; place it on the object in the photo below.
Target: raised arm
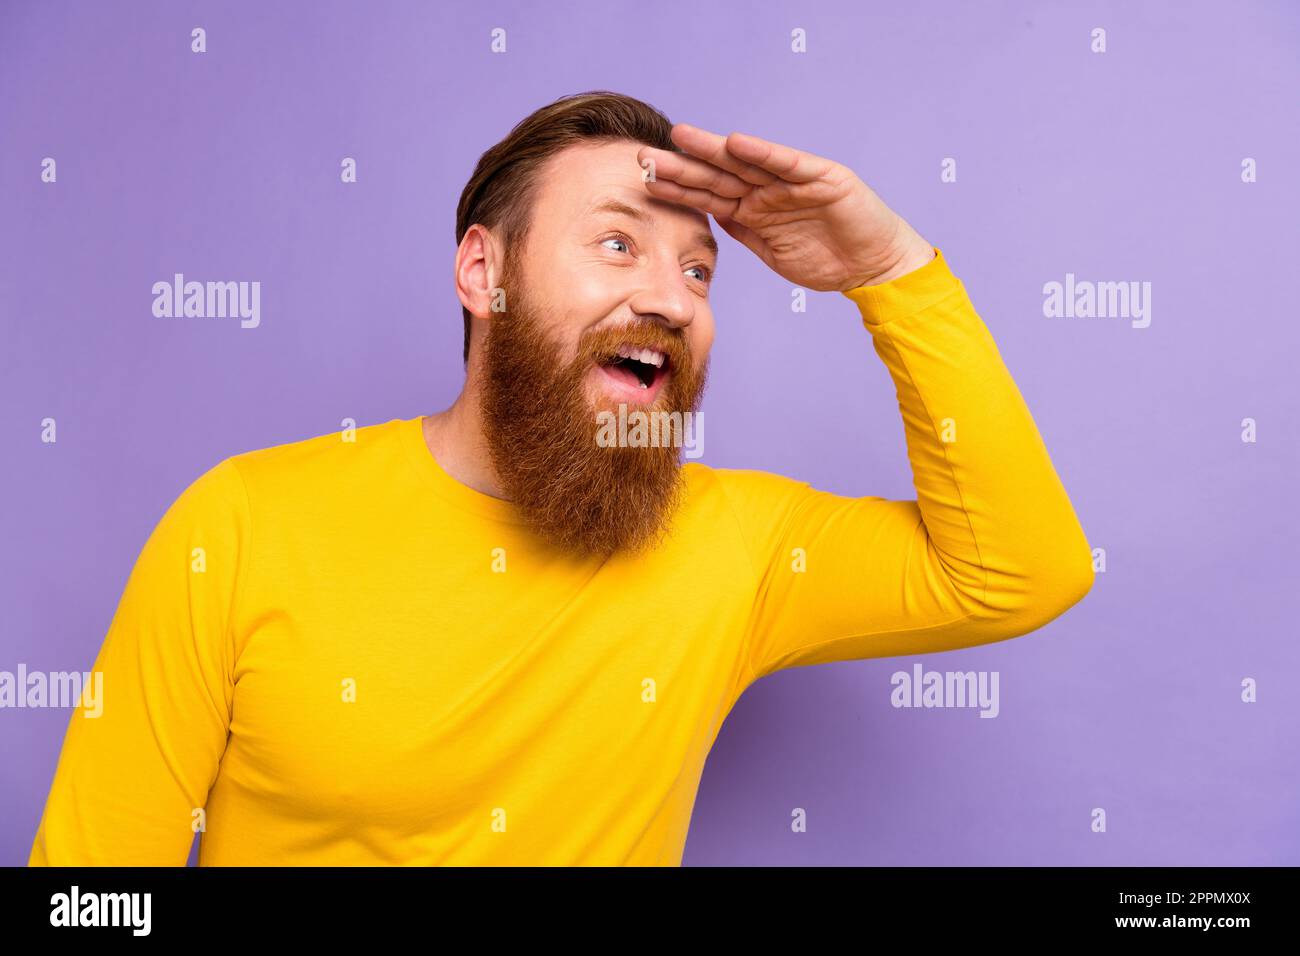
(991, 547)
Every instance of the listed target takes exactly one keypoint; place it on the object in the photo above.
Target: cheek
(586, 294)
(571, 291)
(582, 303)
(701, 339)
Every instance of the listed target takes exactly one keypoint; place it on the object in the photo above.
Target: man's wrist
(915, 254)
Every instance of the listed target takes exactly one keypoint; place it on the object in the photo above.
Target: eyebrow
(632, 212)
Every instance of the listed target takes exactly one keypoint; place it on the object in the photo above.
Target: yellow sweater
(332, 652)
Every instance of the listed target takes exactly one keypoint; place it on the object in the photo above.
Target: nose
(663, 295)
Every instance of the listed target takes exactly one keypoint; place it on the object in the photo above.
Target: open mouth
(641, 369)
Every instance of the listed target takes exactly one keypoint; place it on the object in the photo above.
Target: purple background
(1121, 166)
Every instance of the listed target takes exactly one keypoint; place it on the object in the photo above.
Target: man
(494, 636)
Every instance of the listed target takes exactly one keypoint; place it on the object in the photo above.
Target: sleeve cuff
(907, 294)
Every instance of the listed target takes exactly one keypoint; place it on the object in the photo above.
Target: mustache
(599, 345)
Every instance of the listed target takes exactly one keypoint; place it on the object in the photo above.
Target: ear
(478, 271)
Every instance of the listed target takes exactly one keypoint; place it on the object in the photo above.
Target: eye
(705, 272)
(619, 237)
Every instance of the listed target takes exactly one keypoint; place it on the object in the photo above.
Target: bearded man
(485, 636)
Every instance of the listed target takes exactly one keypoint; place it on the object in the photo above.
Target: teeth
(648, 356)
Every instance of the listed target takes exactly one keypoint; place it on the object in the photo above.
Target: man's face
(606, 306)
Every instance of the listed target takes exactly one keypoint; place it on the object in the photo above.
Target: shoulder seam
(735, 519)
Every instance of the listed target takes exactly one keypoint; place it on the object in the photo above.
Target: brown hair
(500, 193)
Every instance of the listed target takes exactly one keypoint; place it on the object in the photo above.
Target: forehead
(579, 181)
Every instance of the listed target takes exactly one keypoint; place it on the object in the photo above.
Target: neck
(455, 438)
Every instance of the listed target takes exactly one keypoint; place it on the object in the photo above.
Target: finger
(792, 165)
(712, 148)
(694, 173)
(701, 199)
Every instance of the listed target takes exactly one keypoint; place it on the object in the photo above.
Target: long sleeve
(128, 781)
(991, 547)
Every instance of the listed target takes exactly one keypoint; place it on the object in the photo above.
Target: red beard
(541, 430)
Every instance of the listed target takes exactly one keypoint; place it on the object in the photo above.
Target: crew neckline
(447, 487)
